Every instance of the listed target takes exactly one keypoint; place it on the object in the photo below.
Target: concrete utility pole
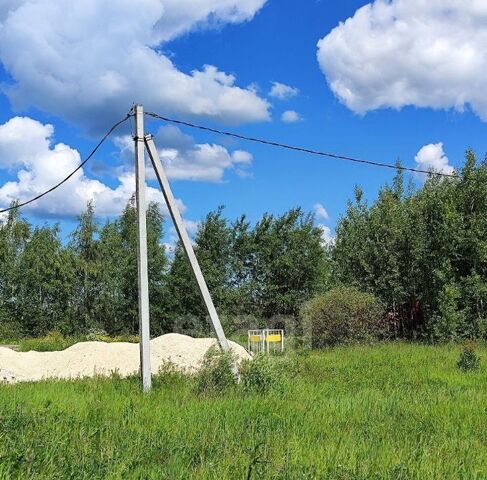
(143, 279)
(183, 236)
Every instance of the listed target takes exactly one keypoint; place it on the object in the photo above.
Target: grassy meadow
(390, 411)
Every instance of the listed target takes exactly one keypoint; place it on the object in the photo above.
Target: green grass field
(393, 411)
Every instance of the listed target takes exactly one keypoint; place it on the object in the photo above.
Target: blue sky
(396, 77)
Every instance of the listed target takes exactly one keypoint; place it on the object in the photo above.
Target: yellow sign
(274, 338)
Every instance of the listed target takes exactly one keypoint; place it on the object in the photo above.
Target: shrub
(99, 335)
(52, 342)
(468, 359)
(123, 338)
(96, 335)
(259, 375)
(216, 373)
(342, 315)
(449, 322)
(8, 330)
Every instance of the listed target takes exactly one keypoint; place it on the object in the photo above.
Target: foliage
(423, 252)
(260, 272)
(287, 263)
(88, 263)
(260, 374)
(468, 359)
(90, 283)
(45, 283)
(212, 248)
(52, 342)
(342, 315)
(350, 414)
(217, 372)
(55, 341)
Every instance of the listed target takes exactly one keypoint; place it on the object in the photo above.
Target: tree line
(420, 250)
(89, 282)
(423, 252)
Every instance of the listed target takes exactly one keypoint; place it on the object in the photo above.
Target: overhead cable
(64, 180)
(299, 149)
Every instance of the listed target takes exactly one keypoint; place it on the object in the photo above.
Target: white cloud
(243, 157)
(191, 228)
(26, 148)
(320, 212)
(427, 53)
(290, 116)
(6, 6)
(88, 63)
(282, 91)
(327, 237)
(432, 157)
(184, 159)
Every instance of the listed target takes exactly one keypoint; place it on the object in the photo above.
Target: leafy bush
(96, 335)
(169, 375)
(468, 359)
(449, 323)
(99, 335)
(52, 342)
(259, 374)
(342, 315)
(55, 341)
(122, 338)
(216, 374)
(8, 330)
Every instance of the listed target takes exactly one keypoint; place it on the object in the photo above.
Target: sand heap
(87, 359)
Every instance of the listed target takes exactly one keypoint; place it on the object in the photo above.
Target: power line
(298, 149)
(99, 144)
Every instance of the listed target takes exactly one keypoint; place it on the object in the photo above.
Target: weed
(259, 374)
(468, 359)
(216, 374)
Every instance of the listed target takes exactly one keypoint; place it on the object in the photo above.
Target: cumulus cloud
(26, 148)
(320, 212)
(432, 157)
(290, 116)
(184, 159)
(409, 52)
(191, 228)
(89, 62)
(282, 91)
(327, 237)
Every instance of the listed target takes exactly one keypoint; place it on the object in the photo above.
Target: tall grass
(392, 411)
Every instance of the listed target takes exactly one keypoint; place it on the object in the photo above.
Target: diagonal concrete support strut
(183, 236)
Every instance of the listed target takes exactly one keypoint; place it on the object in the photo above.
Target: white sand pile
(87, 359)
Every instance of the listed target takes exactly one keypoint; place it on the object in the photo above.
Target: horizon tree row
(90, 282)
(419, 248)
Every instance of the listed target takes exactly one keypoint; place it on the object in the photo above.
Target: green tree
(287, 262)
(110, 303)
(14, 234)
(213, 251)
(423, 253)
(118, 304)
(45, 280)
(86, 251)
